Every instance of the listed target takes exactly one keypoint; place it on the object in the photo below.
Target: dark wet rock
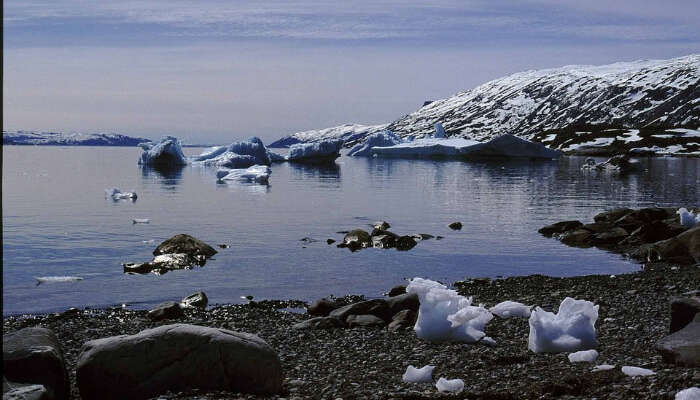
(422, 236)
(138, 268)
(438, 237)
(223, 246)
(598, 227)
(381, 225)
(683, 346)
(577, 237)
(33, 356)
(683, 311)
(682, 249)
(330, 241)
(320, 323)
(20, 391)
(343, 232)
(183, 243)
(195, 300)
(377, 307)
(321, 307)
(365, 320)
(612, 215)
(637, 218)
(383, 241)
(407, 301)
(357, 239)
(656, 231)
(610, 237)
(167, 310)
(559, 227)
(455, 226)
(402, 320)
(397, 290)
(175, 358)
(405, 243)
(308, 240)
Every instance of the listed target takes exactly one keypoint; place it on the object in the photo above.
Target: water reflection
(248, 187)
(326, 172)
(168, 177)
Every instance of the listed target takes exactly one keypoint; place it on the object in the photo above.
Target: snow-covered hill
(75, 139)
(604, 109)
(350, 133)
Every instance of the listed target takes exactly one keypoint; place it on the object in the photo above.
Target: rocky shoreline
(368, 362)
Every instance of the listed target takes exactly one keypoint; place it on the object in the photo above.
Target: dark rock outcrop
(321, 307)
(186, 244)
(195, 300)
(175, 358)
(34, 356)
(683, 346)
(354, 321)
(320, 323)
(167, 310)
(357, 239)
(683, 311)
(455, 226)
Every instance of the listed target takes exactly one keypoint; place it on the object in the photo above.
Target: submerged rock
(176, 358)
(184, 243)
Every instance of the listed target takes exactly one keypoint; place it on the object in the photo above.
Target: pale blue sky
(215, 71)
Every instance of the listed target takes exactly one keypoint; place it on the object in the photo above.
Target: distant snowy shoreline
(26, 138)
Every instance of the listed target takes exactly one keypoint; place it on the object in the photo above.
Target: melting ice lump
(116, 194)
(256, 173)
(450, 385)
(166, 153)
(636, 371)
(688, 219)
(571, 329)
(418, 375)
(692, 393)
(509, 309)
(379, 139)
(326, 150)
(583, 356)
(444, 315)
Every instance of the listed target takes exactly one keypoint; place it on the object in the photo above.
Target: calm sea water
(57, 222)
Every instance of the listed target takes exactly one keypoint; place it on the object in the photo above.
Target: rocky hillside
(642, 106)
(350, 133)
(61, 139)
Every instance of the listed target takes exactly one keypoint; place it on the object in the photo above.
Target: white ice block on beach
(450, 385)
(418, 375)
(571, 329)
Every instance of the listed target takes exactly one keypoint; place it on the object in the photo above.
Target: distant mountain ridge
(75, 139)
(350, 133)
(580, 102)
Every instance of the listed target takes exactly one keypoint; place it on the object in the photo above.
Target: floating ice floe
(616, 164)
(236, 155)
(116, 194)
(140, 221)
(166, 153)
(692, 393)
(636, 371)
(256, 173)
(602, 367)
(444, 315)
(688, 219)
(450, 385)
(379, 139)
(54, 279)
(501, 146)
(571, 329)
(509, 309)
(418, 375)
(583, 356)
(323, 151)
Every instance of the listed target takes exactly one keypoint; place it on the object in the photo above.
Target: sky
(215, 71)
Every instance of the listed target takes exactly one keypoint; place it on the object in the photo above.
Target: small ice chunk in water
(571, 329)
(583, 356)
(450, 385)
(692, 393)
(509, 309)
(602, 367)
(52, 279)
(417, 375)
(141, 221)
(256, 173)
(116, 194)
(688, 219)
(636, 371)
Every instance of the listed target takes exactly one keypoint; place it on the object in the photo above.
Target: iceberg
(116, 194)
(501, 146)
(379, 139)
(509, 309)
(571, 329)
(236, 155)
(449, 385)
(167, 153)
(418, 375)
(444, 315)
(255, 173)
(317, 152)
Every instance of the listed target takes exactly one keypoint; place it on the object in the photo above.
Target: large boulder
(354, 321)
(377, 307)
(612, 215)
(683, 311)
(357, 238)
(559, 227)
(183, 243)
(320, 323)
(682, 249)
(408, 301)
(321, 307)
(656, 231)
(195, 300)
(403, 319)
(33, 355)
(167, 310)
(176, 358)
(683, 346)
(637, 218)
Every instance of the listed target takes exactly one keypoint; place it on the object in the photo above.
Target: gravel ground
(367, 363)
